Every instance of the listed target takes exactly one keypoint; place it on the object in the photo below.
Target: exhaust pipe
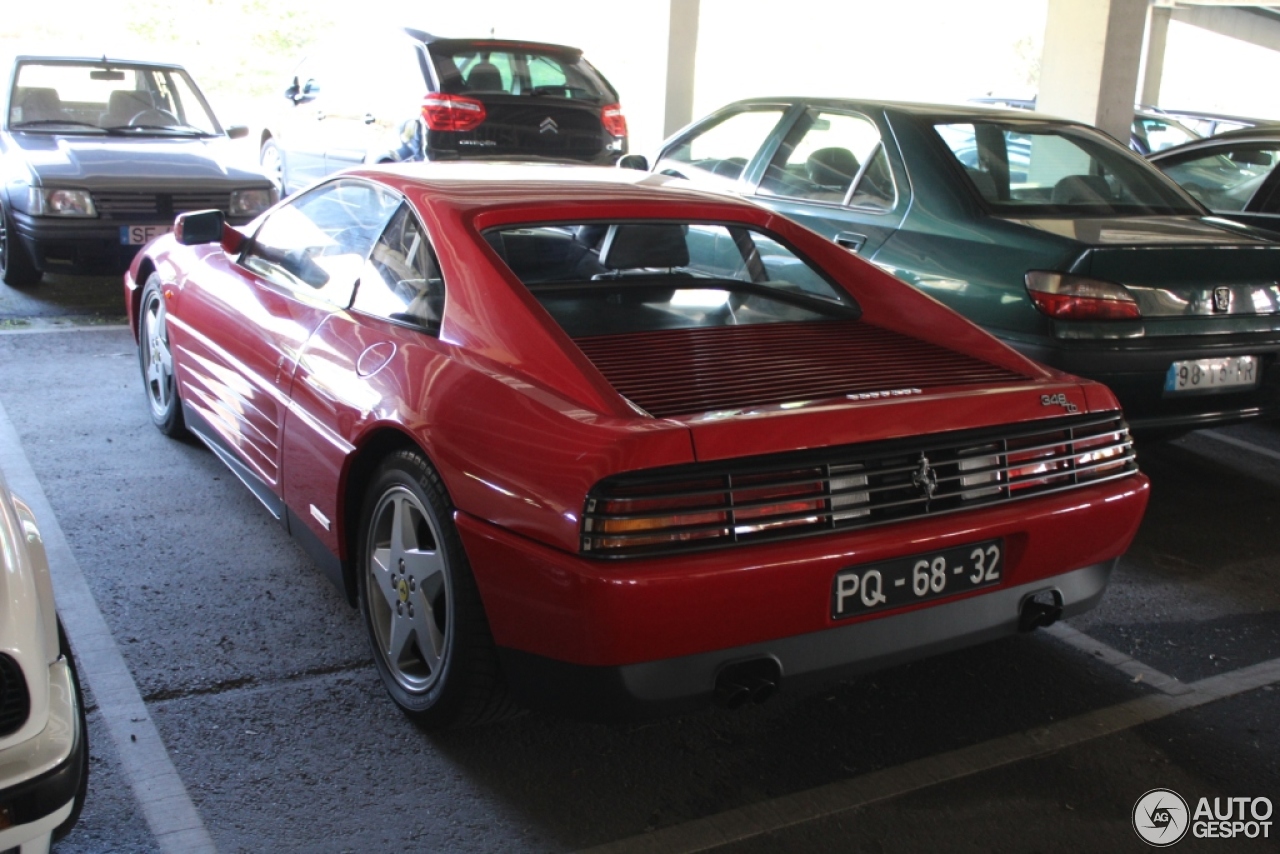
(752, 681)
(1040, 610)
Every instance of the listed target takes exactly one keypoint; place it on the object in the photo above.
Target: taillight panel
(613, 120)
(1067, 297)
(443, 112)
(698, 507)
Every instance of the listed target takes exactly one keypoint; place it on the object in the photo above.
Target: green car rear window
(1050, 169)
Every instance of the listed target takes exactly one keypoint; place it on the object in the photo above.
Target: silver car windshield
(1051, 169)
(96, 98)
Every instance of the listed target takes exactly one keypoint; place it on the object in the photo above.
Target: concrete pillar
(1089, 68)
(1153, 59)
(682, 49)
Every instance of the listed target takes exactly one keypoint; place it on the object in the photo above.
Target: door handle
(319, 115)
(849, 240)
(369, 118)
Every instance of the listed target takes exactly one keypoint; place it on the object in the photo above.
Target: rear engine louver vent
(686, 371)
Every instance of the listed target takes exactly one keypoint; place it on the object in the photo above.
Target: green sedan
(1048, 233)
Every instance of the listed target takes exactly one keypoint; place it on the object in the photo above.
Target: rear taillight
(613, 119)
(452, 112)
(1065, 297)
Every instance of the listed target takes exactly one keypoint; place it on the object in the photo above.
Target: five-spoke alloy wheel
(157, 360)
(426, 624)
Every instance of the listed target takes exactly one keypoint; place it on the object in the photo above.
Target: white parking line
(1117, 659)
(1239, 443)
(755, 820)
(171, 816)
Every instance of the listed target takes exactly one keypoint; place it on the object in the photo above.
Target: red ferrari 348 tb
(592, 440)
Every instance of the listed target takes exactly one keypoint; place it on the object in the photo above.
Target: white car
(44, 753)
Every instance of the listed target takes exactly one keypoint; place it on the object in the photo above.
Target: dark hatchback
(1048, 233)
(408, 95)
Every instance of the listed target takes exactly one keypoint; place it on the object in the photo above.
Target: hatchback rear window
(604, 278)
(518, 70)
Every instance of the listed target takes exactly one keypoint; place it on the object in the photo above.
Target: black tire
(422, 610)
(272, 161)
(156, 360)
(16, 266)
(83, 790)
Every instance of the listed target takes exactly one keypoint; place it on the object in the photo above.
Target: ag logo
(1161, 818)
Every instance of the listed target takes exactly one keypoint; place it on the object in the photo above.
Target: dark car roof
(914, 108)
(101, 59)
(497, 44)
(1262, 133)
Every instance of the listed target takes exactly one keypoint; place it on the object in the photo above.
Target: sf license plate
(136, 235)
(1232, 372)
(906, 581)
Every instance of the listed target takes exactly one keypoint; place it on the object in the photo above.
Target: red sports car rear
(595, 441)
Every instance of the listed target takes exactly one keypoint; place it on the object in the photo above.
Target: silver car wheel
(157, 360)
(410, 602)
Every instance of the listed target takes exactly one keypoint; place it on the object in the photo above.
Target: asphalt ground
(233, 705)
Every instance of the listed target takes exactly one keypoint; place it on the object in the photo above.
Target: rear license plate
(1232, 372)
(919, 578)
(136, 235)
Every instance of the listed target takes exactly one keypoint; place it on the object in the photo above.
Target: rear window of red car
(622, 277)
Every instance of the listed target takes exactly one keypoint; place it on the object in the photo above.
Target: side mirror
(202, 227)
(309, 91)
(198, 227)
(237, 132)
(634, 161)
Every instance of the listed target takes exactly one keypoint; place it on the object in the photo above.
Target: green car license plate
(1231, 373)
(919, 578)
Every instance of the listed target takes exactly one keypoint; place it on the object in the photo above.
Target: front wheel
(16, 266)
(426, 624)
(156, 359)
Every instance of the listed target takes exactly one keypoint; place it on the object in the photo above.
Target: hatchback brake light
(1065, 297)
(613, 119)
(452, 112)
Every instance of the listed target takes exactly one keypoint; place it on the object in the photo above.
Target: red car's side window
(402, 280)
(319, 243)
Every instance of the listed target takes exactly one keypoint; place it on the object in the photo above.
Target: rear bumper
(1135, 371)
(676, 685)
(648, 636)
(41, 777)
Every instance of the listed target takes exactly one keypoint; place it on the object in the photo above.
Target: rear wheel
(427, 628)
(156, 360)
(16, 267)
